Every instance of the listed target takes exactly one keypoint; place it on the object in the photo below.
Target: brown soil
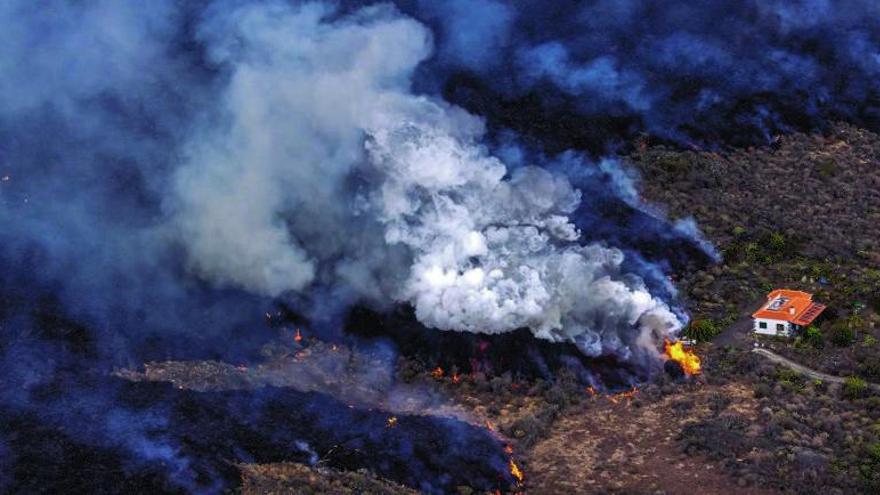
(632, 446)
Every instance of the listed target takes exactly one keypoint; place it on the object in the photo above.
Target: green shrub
(702, 330)
(776, 242)
(841, 334)
(874, 452)
(751, 251)
(855, 322)
(854, 387)
(869, 468)
(869, 341)
(790, 379)
(813, 336)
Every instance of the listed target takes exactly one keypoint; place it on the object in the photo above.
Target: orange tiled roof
(793, 306)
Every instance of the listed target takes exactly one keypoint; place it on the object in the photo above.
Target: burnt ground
(743, 426)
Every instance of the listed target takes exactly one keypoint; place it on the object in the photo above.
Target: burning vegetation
(688, 359)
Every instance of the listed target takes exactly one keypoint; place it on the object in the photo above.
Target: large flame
(689, 361)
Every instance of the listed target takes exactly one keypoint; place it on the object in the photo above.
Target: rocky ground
(803, 214)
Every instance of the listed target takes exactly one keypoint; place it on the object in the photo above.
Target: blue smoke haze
(709, 72)
(105, 104)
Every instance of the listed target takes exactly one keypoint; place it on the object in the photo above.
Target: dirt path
(776, 358)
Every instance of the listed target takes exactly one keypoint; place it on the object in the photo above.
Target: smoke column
(321, 167)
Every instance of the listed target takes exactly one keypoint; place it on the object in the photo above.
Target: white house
(786, 312)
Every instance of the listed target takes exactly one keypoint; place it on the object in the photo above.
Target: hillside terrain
(803, 214)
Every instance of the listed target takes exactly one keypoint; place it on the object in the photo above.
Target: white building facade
(780, 328)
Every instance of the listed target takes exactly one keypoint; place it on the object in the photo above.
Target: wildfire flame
(456, 378)
(298, 337)
(688, 360)
(515, 471)
(437, 372)
(628, 395)
(391, 422)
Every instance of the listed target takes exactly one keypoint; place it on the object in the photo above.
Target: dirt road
(776, 358)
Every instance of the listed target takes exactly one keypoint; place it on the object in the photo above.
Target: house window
(780, 327)
(762, 324)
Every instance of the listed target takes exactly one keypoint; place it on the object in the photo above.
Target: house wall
(771, 327)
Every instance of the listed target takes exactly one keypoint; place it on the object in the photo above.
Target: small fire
(689, 361)
(456, 378)
(437, 372)
(508, 449)
(628, 395)
(515, 471)
(298, 337)
(490, 426)
(391, 422)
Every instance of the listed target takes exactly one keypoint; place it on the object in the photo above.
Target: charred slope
(165, 440)
(519, 352)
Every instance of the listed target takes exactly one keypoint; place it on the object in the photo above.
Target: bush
(777, 242)
(855, 321)
(790, 380)
(813, 336)
(874, 452)
(842, 334)
(870, 467)
(702, 330)
(854, 387)
(763, 390)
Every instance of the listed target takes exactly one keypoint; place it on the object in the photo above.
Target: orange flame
(508, 449)
(298, 337)
(628, 395)
(689, 361)
(391, 422)
(515, 471)
(437, 372)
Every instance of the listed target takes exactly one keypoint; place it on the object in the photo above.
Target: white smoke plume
(322, 167)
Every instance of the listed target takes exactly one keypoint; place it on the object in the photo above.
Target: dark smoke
(712, 72)
(171, 170)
